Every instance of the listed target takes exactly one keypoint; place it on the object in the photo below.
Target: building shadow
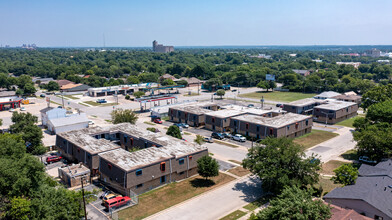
(251, 189)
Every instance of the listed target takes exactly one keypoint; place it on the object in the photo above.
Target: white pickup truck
(239, 138)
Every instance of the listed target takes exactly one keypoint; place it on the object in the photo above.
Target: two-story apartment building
(287, 125)
(220, 120)
(303, 106)
(334, 112)
(149, 168)
(191, 115)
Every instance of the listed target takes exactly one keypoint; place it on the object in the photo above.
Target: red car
(158, 121)
(52, 159)
(117, 202)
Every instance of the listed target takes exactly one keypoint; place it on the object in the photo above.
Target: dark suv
(217, 135)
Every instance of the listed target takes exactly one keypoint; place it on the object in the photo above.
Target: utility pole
(262, 102)
(84, 201)
(62, 98)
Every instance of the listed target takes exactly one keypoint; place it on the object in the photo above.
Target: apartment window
(271, 131)
(163, 179)
(288, 127)
(109, 166)
(163, 166)
(346, 109)
(293, 107)
(102, 135)
(307, 122)
(181, 161)
(145, 144)
(125, 139)
(213, 120)
(247, 134)
(194, 117)
(118, 135)
(296, 125)
(258, 128)
(171, 111)
(78, 150)
(247, 126)
(131, 141)
(88, 156)
(64, 142)
(190, 157)
(258, 136)
(139, 186)
(181, 173)
(235, 123)
(139, 172)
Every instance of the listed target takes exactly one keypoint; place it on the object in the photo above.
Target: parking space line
(100, 211)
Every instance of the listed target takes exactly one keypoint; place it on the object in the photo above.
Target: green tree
(212, 83)
(148, 77)
(207, 167)
(138, 94)
(295, 204)
(53, 86)
(266, 85)
(133, 80)
(182, 82)
(380, 112)
(174, 131)
(281, 163)
(24, 124)
(376, 94)
(168, 82)
(19, 209)
(220, 93)
(346, 174)
(199, 139)
(123, 115)
(1, 122)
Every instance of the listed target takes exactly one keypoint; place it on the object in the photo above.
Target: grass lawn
(259, 202)
(71, 97)
(234, 215)
(81, 103)
(348, 122)
(278, 96)
(99, 104)
(327, 168)
(239, 171)
(327, 185)
(192, 94)
(149, 123)
(313, 138)
(157, 200)
(225, 143)
(236, 161)
(350, 155)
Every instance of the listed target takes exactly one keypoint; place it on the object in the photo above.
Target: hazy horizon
(195, 24)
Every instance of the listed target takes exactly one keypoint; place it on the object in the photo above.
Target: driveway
(333, 148)
(215, 204)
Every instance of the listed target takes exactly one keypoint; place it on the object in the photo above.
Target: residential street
(215, 204)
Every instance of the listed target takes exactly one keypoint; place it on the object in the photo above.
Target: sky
(136, 23)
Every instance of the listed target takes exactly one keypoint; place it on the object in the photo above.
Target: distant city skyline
(198, 23)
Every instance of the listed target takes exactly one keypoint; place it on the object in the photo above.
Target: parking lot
(207, 133)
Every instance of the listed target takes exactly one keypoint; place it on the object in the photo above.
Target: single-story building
(68, 123)
(370, 195)
(334, 112)
(51, 113)
(7, 103)
(286, 125)
(73, 175)
(326, 95)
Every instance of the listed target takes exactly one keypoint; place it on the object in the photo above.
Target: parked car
(12, 110)
(239, 138)
(49, 93)
(53, 159)
(23, 109)
(251, 106)
(108, 197)
(208, 139)
(217, 135)
(158, 121)
(101, 101)
(105, 193)
(278, 105)
(227, 135)
(90, 123)
(42, 95)
(184, 125)
(117, 202)
(234, 90)
(366, 159)
(59, 106)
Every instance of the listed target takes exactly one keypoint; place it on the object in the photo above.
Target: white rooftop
(255, 111)
(69, 120)
(304, 102)
(225, 113)
(327, 94)
(275, 122)
(336, 105)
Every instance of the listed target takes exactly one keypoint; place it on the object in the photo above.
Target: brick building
(303, 106)
(334, 112)
(286, 125)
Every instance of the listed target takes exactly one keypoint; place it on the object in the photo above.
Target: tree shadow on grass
(199, 183)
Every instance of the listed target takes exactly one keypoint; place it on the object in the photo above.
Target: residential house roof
(327, 94)
(63, 82)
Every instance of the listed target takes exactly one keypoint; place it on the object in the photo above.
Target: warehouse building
(334, 112)
(286, 125)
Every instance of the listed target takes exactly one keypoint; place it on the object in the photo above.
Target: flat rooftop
(192, 109)
(225, 113)
(75, 170)
(336, 105)
(255, 111)
(305, 102)
(275, 122)
(348, 97)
